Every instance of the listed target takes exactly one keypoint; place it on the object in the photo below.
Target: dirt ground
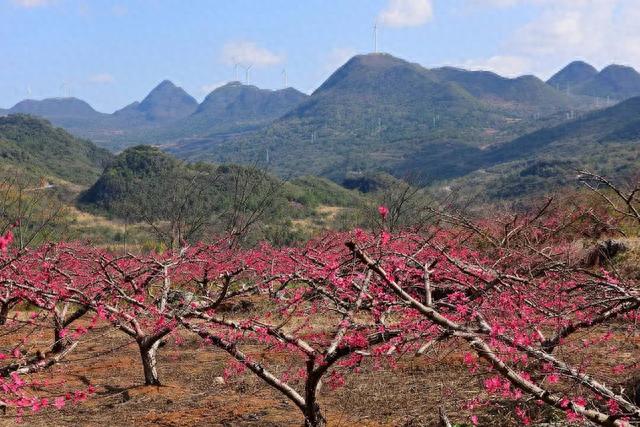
(195, 394)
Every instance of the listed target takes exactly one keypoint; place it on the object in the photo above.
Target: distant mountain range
(166, 113)
(616, 82)
(379, 112)
(375, 113)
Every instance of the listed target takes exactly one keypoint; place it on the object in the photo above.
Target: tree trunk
(148, 354)
(59, 342)
(4, 312)
(312, 414)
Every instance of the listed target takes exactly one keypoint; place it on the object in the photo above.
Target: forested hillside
(33, 145)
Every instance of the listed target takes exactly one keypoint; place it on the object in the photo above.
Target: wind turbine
(284, 78)
(65, 88)
(375, 37)
(246, 74)
(235, 71)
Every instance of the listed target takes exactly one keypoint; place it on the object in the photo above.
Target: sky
(113, 52)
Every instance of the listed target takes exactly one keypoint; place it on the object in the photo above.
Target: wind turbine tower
(375, 37)
(246, 74)
(65, 88)
(284, 78)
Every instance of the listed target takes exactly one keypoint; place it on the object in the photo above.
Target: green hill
(606, 141)
(143, 183)
(616, 81)
(525, 94)
(376, 112)
(165, 103)
(232, 108)
(573, 75)
(34, 145)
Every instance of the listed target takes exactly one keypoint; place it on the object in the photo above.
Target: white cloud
(406, 13)
(101, 78)
(249, 53)
(509, 66)
(31, 3)
(598, 31)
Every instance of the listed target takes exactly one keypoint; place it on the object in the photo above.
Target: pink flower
(59, 402)
(553, 378)
(383, 211)
(384, 238)
(474, 420)
(5, 241)
(492, 384)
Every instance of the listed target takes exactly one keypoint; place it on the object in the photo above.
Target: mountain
(574, 74)
(235, 107)
(56, 107)
(606, 141)
(166, 102)
(521, 94)
(615, 124)
(616, 81)
(167, 113)
(375, 112)
(35, 146)
(72, 114)
(236, 102)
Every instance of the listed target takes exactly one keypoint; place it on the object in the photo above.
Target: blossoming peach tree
(544, 334)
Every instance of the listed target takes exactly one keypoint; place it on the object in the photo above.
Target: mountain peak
(166, 83)
(365, 69)
(375, 61)
(234, 98)
(166, 101)
(55, 107)
(615, 81)
(619, 70)
(575, 73)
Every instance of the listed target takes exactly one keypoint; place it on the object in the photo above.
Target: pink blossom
(383, 211)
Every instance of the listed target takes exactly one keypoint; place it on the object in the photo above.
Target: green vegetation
(604, 141)
(190, 201)
(34, 146)
(617, 82)
(376, 112)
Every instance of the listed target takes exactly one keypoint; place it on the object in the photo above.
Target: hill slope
(233, 107)
(616, 81)
(574, 74)
(521, 94)
(143, 182)
(166, 102)
(606, 141)
(34, 145)
(375, 112)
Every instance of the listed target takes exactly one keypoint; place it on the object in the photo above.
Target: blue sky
(112, 52)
